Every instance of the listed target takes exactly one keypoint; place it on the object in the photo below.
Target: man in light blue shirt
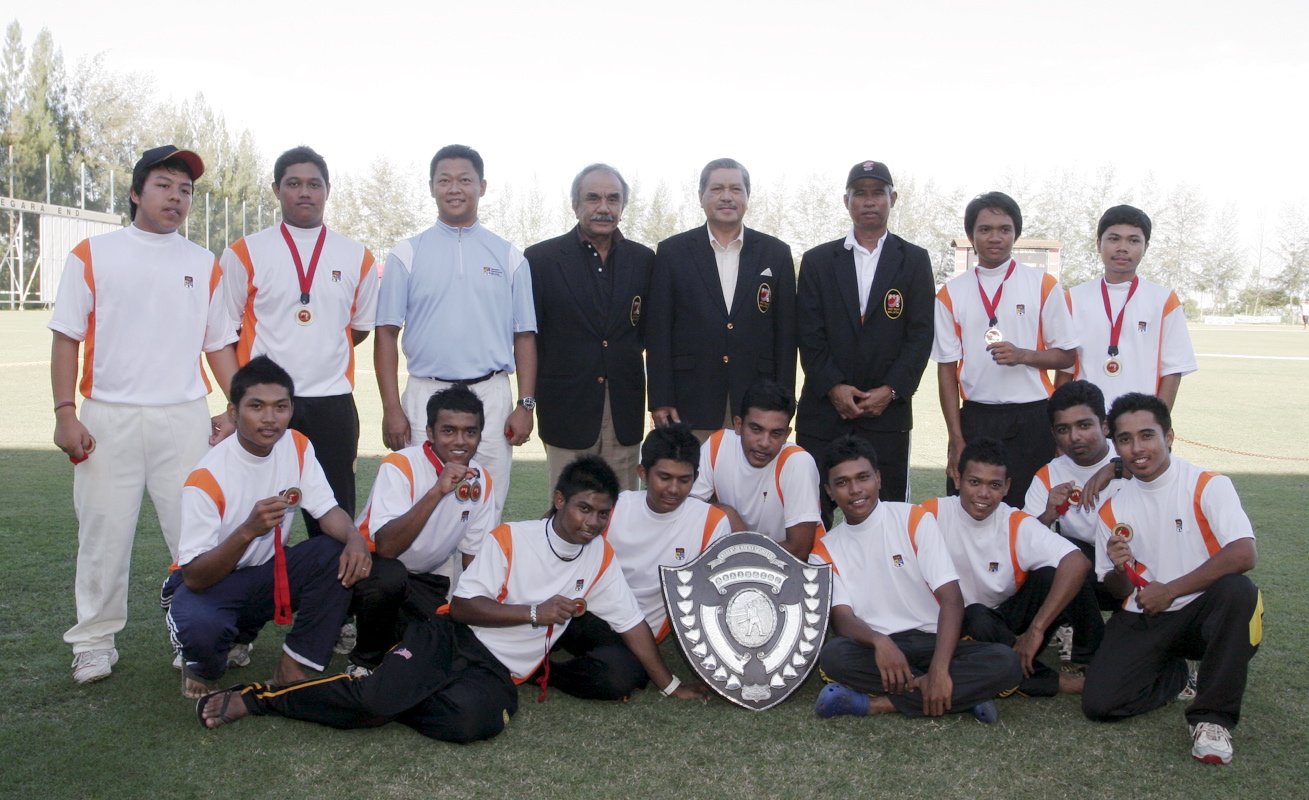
(464, 297)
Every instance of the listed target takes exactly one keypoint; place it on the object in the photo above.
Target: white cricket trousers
(137, 448)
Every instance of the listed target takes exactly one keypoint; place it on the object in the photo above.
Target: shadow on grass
(133, 735)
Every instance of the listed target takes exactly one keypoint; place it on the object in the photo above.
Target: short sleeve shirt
(769, 499)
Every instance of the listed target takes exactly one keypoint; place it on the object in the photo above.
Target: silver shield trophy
(750, 617)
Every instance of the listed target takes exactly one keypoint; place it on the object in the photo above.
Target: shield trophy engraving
(750, 617)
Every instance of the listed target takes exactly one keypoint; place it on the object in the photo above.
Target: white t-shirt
(263, 297)
(769, 499)
(223, 488)
(516, 566)
(144, 305)
(1029, 315)
(1073, 523)
(403, 478)
(1169, 539)
(1154, 341)
(993, 556)
(886, 568)
(644, 541)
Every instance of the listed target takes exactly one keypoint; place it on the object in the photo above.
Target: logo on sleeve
(894, 304)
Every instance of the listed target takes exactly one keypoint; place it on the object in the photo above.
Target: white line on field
(26, 364)
(1268, 358)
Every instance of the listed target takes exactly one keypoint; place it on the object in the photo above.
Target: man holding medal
(305, 295)
(428, 502)
(999, 327)
(1133, 332)
(1173, 544)
(235, 572)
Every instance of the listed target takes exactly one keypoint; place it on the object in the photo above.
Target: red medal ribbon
(1116, 325)
(281, 583)
(1138, 580)
(990, 304)
(306, 280)
(431, 456)
(544, 680)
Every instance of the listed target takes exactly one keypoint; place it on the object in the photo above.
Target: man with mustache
(722, 310)
(590, 287)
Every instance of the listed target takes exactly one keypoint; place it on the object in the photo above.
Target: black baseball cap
(869, 169)
(157, 155)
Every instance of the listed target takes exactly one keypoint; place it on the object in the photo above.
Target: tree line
(93, 122)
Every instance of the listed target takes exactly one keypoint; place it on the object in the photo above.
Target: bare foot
(223, 708)
(289, 671)
(880, 705)
(1071, 684)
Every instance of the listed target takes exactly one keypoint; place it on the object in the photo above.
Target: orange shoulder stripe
(1210, 541)
(401, 463)
(916, 515)
(711, 521)
(204, 480)
(505, 538)
(301, 445)
(245, 344)
(604, 565)
(786, 453)
(932, 506)
(1044, 474)
(83, 252)
(715, 442)
(1015, 521)
(822, 552)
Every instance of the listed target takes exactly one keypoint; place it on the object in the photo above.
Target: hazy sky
(1205, 92)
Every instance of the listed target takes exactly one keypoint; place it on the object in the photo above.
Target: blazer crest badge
(635, 314)
(893, 304)
(764, 298)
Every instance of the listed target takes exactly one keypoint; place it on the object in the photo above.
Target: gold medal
(304, 316)
(1124, 530)
(579, 606)
(90, 448)
(1112, 366)
(1075, 496)
(291, 496)
(993, 335)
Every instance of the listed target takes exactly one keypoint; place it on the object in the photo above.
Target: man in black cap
(145, 303)
(864, 314)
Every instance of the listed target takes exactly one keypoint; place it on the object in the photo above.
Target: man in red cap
(144, 303)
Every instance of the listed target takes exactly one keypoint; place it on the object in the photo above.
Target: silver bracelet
(668, 690)
(534, 625)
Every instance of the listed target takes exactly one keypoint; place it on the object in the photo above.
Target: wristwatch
(528, 403)
(1118, 467)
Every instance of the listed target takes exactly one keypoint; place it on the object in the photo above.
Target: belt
(470, 381)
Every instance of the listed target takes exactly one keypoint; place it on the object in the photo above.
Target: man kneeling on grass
(897, 608)
(453, 677)
(1018, 577)
(236, 572)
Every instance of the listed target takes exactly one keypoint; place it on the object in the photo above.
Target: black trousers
(980, 671)
(386, 602)
(1023, 429)
(892, 449)
(332, 425)
(1141, 665)
(440, 680)
(602, 668)
(1004, 624)
(1103, 597)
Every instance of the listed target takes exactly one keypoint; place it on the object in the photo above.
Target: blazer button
(729, 326)
(604, 344)
(599, 380)
(724, 359)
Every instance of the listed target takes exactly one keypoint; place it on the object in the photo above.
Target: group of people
(937, 607)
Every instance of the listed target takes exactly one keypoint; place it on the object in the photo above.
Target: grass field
(134, 736)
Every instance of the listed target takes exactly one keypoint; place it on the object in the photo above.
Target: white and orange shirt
(644, 541)
(1029, 315)
(144, 305)
(460, 520)
(1073, 522)
(1177, 522)
(263, 298)
(994, 555)
(769, 499)
(522, 563)
(886, 568)
(1153, 342)
(222, 490)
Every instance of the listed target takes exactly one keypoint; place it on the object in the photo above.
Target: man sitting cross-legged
(453, 676)
(236, 572)
(1017, 576)
(660, 526)
(897, 608)
(428, 501)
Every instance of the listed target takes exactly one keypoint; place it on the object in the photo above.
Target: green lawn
(134, 736)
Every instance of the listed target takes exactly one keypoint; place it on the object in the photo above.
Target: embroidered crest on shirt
(994, 566)
(463, 517)
(336, 276)
(580, 581)
(1179, 525)
(188, 282)
(1022, 310)
(494, 272)
(764, 298)
(894, 304)
(898, 560)
(680, 552)
(635, 314)
(1141, 326)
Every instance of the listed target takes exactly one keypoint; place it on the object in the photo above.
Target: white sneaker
(177, 661)
(94, 665)
(1192, 675)
(239, 655)
(1212, 743)
(1064, 635)
(345, 642)
(356, 671)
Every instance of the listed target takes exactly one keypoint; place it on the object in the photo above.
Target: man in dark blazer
(591, 288)
(865, 313)
(722, 310)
